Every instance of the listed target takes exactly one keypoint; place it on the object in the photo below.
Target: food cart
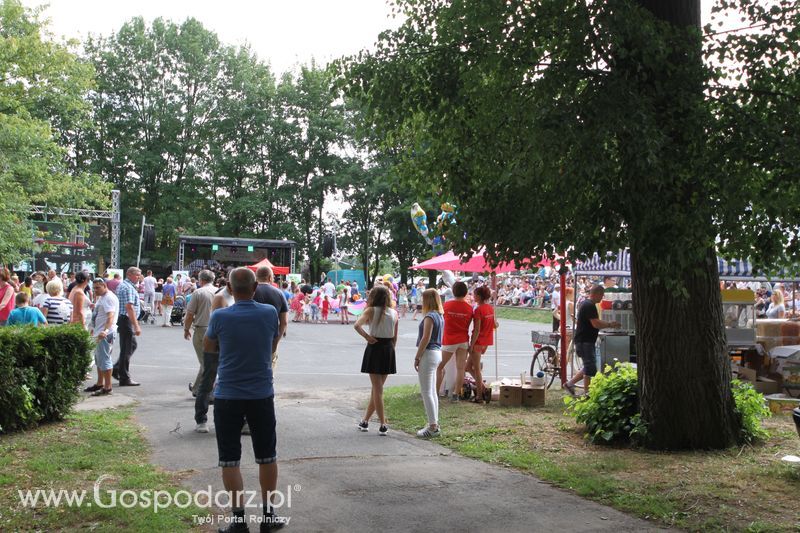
(751, 342)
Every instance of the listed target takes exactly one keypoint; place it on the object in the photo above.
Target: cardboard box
(761, 384)
(510, 395)
(533, 396)
(767, 386)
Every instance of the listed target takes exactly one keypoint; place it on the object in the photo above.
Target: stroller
(178, 310)
(146, 315)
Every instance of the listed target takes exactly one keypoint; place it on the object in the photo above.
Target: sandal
(101, 392)
(93, 388)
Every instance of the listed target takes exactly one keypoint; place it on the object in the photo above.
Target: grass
(743, 489)
(72, 455)
(542, 316)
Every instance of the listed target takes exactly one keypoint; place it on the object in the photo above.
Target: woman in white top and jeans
(428, 357)
(379, 356)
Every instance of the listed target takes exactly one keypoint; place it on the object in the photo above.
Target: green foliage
(42, 100)
(40, 372)
(611, 410)
(752, 408)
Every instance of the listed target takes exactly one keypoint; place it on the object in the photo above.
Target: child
(343, 303)
(315, 301)
(23, 314)
(297, 306)
(307, 309)
(326, 306)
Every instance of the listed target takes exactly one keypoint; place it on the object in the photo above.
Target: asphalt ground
(339, 478)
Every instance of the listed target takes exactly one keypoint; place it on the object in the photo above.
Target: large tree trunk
(684, 371)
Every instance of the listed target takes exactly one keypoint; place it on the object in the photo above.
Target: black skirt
(379, 358)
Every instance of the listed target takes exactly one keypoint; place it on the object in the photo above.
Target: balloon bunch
(445, 218)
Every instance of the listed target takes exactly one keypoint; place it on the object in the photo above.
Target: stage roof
(236, 241)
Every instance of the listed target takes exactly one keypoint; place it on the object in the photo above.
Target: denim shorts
(102, 353)
(229, 417)
(586, 351)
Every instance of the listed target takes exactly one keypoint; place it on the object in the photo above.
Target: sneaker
(383, 431)
(235, 527)
(93, 388)
(363, 425)
(246, 429)
(202, 427)
(428, 433)
(570, 389)
(272, 522)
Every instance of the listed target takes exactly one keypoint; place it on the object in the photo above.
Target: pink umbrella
(450, 261)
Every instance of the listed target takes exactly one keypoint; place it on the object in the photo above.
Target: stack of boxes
(517, 394)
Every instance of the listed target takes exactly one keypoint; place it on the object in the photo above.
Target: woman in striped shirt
(56, 308)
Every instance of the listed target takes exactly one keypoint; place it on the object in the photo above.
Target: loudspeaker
(327, 246)
(149, 239)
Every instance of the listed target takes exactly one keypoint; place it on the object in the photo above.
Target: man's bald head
(243, 283)
(596, 293)
(264, 274)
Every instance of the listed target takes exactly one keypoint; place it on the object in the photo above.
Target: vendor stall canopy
(619, 264)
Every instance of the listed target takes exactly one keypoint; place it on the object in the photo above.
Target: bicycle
(547, 357)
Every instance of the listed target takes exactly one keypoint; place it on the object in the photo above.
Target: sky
(282, 32)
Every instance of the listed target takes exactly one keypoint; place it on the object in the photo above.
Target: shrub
(611, 411)
(41, 370)
(751, 408)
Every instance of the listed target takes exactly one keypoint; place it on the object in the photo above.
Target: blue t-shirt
(26, 315)
(436, 335)
(245, 332)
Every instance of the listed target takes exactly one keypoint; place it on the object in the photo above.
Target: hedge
(41, 371)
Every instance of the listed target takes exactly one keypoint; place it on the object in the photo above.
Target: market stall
(752, 343)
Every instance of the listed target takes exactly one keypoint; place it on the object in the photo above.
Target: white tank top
(384, 329)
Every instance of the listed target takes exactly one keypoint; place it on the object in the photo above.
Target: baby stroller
(178, 310)
(146, 315)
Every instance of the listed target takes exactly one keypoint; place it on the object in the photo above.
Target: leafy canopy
(42, 90)
(558, 124)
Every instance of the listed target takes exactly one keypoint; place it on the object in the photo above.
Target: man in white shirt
(555, 303)
(104, 329)
(329, 289)
(149, 283)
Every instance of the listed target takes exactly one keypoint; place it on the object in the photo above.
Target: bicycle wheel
(545, 360)
(574, 363)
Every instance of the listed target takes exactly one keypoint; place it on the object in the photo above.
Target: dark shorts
(586, 351)
(229, 417)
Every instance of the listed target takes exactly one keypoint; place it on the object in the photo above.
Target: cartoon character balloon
(420, 220)
(435, 235)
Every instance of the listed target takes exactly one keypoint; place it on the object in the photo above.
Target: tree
(312, 140)
(156, 89)
(42, 91)
(584, 126)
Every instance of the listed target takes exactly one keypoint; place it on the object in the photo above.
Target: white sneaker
(428, 433)
(202, 427)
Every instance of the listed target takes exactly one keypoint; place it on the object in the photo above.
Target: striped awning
(619, 264)
(610, 264)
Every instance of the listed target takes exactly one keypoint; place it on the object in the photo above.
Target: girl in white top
(379, 355)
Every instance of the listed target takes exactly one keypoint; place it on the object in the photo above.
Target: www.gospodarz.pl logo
(149, 498)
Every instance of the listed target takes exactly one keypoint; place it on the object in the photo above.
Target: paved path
(344, 480)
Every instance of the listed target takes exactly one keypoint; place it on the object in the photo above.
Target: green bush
(41, 370)
(752, 409)
(611, 412)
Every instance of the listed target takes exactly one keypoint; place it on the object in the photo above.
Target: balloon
(420, 220)
(448, 277)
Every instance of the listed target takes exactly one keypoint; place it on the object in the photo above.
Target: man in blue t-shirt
(246, 335)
